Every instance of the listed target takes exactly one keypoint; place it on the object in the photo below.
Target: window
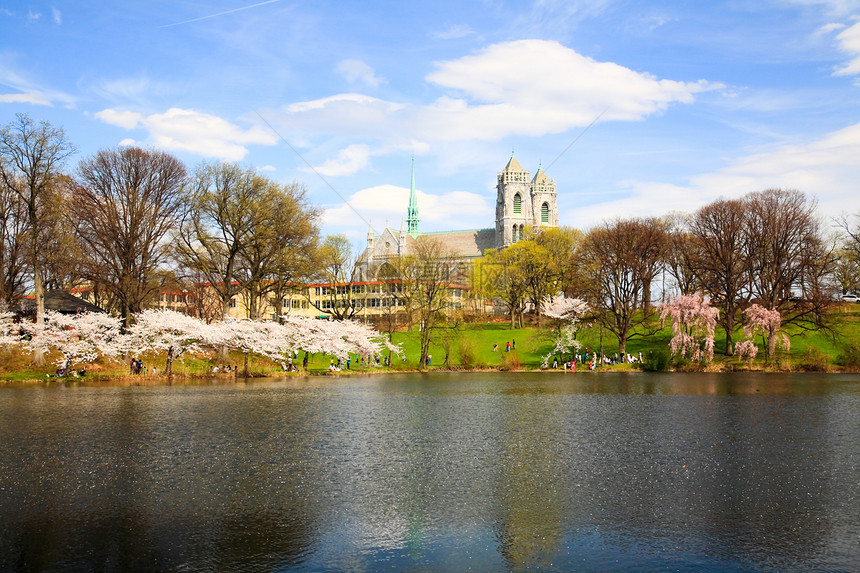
(374, 303)
(296, 303)
(514, 237)
(544, 213)
(518, 204)
(326, 304)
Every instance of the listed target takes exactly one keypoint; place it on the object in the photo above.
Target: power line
(581, 133)
(324, 180)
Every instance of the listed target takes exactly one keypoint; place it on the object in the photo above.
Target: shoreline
(184, 379)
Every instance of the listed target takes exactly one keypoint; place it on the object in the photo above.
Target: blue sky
(696, 100)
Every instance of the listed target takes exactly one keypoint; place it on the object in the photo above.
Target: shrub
(656, 360)
(814, 360)
(468, 354)
(510, 361)
(850, 356)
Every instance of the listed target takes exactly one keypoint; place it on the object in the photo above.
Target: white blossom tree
(7, 328)
(80, 338)
(171, 332)
(567, 312)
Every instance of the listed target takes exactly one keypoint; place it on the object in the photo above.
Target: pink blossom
(693, 323)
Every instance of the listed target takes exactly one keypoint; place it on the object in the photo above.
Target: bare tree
(723, 265)
(435, 270)
(338, 273)
(790, 259)
(126, 204)
(847, 268)
(220, 219)
(31, 157)
(280, 253)
(612, 263)
(650, 249)
(682, 255)
(13, 264)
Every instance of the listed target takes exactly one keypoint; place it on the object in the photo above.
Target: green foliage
(656, 360)
(467, 350)
(849, 357)
(815, 360)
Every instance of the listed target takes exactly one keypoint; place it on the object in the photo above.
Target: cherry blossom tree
(567, 313)
(7, 327)
(79, 338)
(764, 322)
(693, 323)
(746, 350)
(171, 332)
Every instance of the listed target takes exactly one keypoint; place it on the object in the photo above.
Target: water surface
(675, 472)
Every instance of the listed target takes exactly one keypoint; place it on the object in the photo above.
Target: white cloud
(267, 168)
(127, 142)
(387, 204)
(837, 7)
(454, 32)
(828, 28)
(826, 168)
(57, 15)
(849, 42)
(192, 131)
(31, 93)
(356, 71)
(31, 98)
(534, 87)
(528, 87)
(124, 119)
(33, 16)
(348, 161)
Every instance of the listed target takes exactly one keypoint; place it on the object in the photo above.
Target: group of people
(222, 368)
(591, 359)
(136, 366)
(338, 366)
(510, 345)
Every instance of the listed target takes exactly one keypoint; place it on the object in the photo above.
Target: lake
(437, 472)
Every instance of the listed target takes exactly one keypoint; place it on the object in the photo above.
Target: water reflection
(500, 472)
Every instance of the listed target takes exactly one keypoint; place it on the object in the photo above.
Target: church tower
(514, 209)
(412, 213)
(545, 209)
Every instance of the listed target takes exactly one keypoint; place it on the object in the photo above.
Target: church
(521, 202)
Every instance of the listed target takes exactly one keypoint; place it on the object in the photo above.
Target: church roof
(513, 165)
(468, 244)
(541, 177)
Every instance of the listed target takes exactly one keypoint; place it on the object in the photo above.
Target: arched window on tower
(518, 204)
(544, 213)
(514, 237)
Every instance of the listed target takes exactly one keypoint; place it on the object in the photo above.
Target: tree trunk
(247, 366)
(168, 368)
(305, 362)
(39, 292)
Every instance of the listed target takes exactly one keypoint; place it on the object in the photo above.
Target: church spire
(412, 213)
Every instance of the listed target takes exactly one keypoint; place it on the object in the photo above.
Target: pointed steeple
(412, 213)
